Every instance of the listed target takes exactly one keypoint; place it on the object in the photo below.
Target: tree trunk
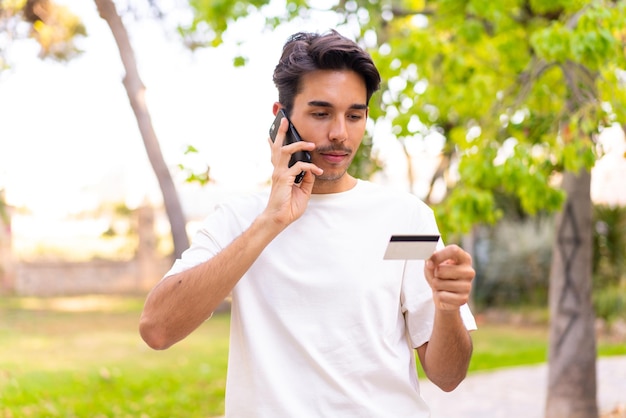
(572, 350)
(135, 90)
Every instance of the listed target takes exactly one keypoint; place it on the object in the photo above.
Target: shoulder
(239, 208)
(246, 201)
(392, 196)
(243, 202)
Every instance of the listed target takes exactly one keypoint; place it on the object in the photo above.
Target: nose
(338, 130)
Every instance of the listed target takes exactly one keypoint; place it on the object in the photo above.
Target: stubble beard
(331, 177)
(334, 175)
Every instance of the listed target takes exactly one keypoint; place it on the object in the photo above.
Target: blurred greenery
(609, 246)
(512, 261)
(83, 357)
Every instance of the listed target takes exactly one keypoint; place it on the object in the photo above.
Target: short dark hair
(305, 52)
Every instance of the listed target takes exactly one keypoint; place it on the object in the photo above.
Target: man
(321, 324)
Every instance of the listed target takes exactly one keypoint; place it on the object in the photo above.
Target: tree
(519, 90)
(55, 28)
(135, 90)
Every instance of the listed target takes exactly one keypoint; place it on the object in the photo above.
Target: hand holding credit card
(411, 247)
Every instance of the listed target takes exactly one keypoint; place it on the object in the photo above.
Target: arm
(180, 303)
(445, 357)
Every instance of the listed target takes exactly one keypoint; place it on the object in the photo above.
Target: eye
(355, 116)
(319, 114)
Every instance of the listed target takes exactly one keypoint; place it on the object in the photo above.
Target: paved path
(519, 392)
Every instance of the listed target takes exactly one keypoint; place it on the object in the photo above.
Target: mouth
(334, 156)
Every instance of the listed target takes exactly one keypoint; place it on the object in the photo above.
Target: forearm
(446, 356)
(180, 303)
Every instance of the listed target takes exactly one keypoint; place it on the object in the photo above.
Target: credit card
(411, 247)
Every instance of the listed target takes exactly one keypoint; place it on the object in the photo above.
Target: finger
(452, 286)
(448, 271)
(310, 171)
(287, 152)
(298, 146)
(279, 136)
(281, 155)
(276, 145)
(451, 292)
(450, 254)
(277, 142)
(449, 300)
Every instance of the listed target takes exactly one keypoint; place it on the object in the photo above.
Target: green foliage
(463, 207)
(487, 84)
(547, 75)
(193, 175)
(590, 40)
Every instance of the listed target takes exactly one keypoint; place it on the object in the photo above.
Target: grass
(90, 362)
(501, 345)
(82, 357)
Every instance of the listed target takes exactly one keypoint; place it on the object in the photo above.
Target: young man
(321, 324)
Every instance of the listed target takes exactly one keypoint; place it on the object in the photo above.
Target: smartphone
(290, 137)
(411, 247)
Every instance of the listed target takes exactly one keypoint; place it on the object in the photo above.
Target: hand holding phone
(291, 136)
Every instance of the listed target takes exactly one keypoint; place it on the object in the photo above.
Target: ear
(276, 107)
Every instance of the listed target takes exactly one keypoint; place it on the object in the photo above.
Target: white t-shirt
(321, 325)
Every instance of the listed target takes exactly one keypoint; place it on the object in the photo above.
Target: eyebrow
(321, 103)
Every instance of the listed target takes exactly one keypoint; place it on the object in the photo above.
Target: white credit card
(411, 247)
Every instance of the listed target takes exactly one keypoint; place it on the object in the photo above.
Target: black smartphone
(290, 137)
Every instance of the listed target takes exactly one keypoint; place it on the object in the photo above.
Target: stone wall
(93, 277)
(61, 278)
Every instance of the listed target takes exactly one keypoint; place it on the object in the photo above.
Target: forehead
(336, 87)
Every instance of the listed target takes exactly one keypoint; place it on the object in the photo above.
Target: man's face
(331, 111)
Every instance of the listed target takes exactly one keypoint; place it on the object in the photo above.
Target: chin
(333, 175)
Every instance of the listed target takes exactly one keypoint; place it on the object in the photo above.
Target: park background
(75, 178)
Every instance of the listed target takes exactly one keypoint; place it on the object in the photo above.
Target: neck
(343, 184)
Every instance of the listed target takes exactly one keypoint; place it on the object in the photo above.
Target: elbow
(448, 385)
(447, 380)
(153, 334)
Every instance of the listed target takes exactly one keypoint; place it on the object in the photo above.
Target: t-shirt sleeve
(417, 303)
(226, 222)
(416, 295)
(418, 306)
(203, 247)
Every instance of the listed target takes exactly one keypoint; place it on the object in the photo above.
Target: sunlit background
(70, 145)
